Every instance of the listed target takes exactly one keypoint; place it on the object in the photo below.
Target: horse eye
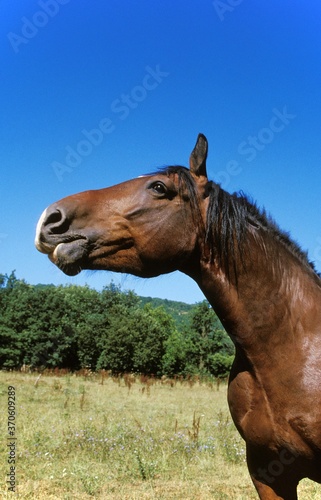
(159, 188)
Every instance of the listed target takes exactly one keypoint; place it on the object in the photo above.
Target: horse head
(145, 226)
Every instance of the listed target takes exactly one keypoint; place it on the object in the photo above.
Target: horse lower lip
(70, 269)
(68, 256)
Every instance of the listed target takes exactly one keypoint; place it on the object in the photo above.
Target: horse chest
(249, 409)
(272, 422)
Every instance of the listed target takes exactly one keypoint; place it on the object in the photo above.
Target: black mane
(228, 217)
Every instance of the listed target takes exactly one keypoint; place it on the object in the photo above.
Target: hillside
(178, 310)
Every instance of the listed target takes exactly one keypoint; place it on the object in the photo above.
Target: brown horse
(264, 290)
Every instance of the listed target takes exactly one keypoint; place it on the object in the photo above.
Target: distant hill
(178, 310)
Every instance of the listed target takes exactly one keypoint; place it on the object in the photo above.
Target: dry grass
(90, 436)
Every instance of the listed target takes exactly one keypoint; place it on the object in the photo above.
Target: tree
(202, 348)
(73, 327)
(152, 328)
(12, 320)
(174, 361)
(134, 340)
(40, 326)
(10, 348)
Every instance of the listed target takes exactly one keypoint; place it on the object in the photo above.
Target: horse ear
(197, 160)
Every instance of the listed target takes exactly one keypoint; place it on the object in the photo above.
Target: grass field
(94, 436)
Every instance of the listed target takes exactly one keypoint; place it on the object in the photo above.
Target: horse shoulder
(248, 404)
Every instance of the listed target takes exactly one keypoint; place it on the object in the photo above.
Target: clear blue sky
(245, 73)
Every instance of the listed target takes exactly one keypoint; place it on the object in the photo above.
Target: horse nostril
(52, 227)
(56, 222)
(53, 218)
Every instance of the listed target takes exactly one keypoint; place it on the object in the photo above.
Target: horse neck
(274, 293)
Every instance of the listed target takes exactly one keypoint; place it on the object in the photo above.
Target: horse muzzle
(67, 250)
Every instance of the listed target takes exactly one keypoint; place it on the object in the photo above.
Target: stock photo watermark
(120, 109)
(11, 440)
(222, 7)
(254, 144)
(31, 26)
(277, 467)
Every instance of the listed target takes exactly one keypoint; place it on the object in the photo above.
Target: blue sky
(153, 75)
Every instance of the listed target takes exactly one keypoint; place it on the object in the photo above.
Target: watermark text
(120, 108)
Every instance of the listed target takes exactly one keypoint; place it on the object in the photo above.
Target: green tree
(152, 327)
(10, 348)
(220, 364)
(134, 339)
(175, 358)
(37, 321)
(73, 327)
(12, 320)
(207, 347)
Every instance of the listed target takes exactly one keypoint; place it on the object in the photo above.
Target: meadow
(83, 436)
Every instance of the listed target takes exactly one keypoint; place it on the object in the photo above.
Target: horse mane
(227, 221)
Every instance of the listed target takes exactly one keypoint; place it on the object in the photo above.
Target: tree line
(47, 326)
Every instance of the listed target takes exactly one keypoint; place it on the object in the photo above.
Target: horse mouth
(70, 256)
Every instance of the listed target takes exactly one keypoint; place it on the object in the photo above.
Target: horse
(260, 283)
